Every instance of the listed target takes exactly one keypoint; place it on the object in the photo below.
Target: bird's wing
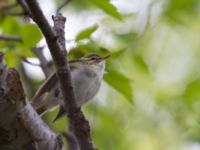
(45, 87)
(62, 111)
(60, 114)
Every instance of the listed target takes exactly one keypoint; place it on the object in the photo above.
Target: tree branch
(72, 143)
(25, 7)
(10, 6)
(65, 2)
(77, 120)
(10, 38)
(59, 26)
(15, 13)
(45, 65)
(21, 127)
(43, 136)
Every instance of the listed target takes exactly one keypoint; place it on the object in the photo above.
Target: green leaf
(127, 37)
(117, 54)
(120, 83)
(30, 34)
(86, 33)
(10, 26)
(107, 7)
(92, 47)
(25, 51)
(140, 63)
(192, 91)
(183, 5)
(9, 55)
(176, 9)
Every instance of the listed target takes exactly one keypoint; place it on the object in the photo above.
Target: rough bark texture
(20, 126)
(78, 123)
(13, 135)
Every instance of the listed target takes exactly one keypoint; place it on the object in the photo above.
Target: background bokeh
(150, 96)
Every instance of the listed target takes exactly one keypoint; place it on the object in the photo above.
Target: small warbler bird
(86, 72)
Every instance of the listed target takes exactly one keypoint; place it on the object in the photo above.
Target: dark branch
(25, 7)
(27, 81)
(72, 144)
(10, 38)
(45, 65)
(62, 5)
(20, 125)
(59, 26)
(15, 13)
(10, 6)
(77, 120)
(28, 62)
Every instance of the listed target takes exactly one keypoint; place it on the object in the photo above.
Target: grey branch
(44, 63)
(25, 7)
(10, 6)
(20, 126)
(45, 138)
(10, 38)
(65, 2)
(76, 118)
(59, 26)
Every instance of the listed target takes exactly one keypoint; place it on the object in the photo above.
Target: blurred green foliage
(150, 96)
(86, 33)
(106, 6)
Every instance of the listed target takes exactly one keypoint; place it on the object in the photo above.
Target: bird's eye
(93, 58)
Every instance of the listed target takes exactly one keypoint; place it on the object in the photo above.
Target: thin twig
(27, 81)
(10, 6)
(62, 5)
(77, 120)
(44, 63)
(11, 38)
(15, 13)
(72, 143)
(28, 62)
(25, 7)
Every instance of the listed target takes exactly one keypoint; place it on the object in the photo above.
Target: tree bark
(20, 126)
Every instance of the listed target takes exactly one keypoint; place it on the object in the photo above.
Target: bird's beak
(104, 58)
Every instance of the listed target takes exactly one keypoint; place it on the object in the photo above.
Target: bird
(86, 74)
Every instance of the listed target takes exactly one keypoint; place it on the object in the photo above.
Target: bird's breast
(86, 83)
